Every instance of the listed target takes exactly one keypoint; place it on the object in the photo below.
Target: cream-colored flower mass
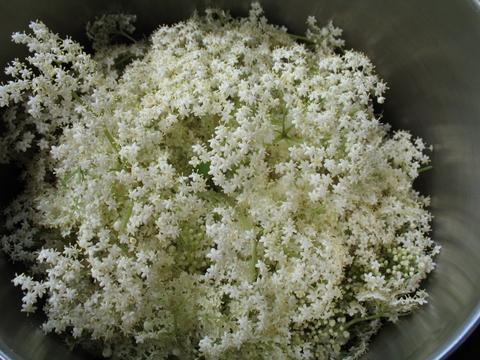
(223, 190)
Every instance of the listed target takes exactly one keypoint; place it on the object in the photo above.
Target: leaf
(203, 169)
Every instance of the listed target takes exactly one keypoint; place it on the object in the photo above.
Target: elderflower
(224, 190)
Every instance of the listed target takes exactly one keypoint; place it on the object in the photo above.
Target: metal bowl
(429, 54)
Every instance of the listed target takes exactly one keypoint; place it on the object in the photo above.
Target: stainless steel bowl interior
(427, 51)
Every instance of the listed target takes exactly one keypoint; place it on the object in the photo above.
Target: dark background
(469, 349)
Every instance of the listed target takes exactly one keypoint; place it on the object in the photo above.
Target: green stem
(302, 38)
(241, 216)
(124, 248)
(126, 35)
(78, 98)
(291, 253)
(85, 273)
(317, 211)
(69, 176)
(126, 216)
(371, 317)
(110, 139)
(429, 167)
(125, 163)
(253, 262)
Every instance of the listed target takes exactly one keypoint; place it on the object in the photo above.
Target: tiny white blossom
(221, 190)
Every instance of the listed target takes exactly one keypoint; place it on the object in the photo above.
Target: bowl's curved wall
(428, 52)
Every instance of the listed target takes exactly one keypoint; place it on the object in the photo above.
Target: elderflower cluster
(223, 191)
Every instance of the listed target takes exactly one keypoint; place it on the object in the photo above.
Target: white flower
(221, 185)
